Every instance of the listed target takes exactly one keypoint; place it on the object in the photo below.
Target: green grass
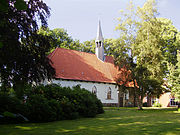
(123, 121)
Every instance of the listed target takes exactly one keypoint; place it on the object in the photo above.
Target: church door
(120, 101)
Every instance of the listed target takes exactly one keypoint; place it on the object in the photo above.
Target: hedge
(51, 103)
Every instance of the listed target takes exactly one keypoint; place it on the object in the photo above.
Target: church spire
(99, 32)
(99, 43)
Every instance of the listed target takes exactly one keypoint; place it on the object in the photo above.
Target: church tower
(99, 44)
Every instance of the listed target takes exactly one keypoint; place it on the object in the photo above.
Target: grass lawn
(123, 121)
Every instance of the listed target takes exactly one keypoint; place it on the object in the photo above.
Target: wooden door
(120, 101)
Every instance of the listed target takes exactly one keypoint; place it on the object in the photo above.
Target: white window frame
(109, 94)
(94, 90)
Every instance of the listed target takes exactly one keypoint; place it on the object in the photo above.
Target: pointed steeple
(99, 43)
(99, 32)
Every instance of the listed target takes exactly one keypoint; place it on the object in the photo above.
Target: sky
(80, 17)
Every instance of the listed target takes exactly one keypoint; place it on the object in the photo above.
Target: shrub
(81, 101)
(52, 102)
(156, 104)
(145, 104)
(99, 106)
(10, 104)
(69, 109)
(56, 108)
(8, 117)
(39, 109)
(86, 102)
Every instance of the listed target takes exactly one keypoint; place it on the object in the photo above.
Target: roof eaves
(86, 81)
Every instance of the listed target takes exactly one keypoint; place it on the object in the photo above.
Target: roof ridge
(76, 51)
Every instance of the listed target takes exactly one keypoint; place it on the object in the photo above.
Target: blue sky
(80, 17)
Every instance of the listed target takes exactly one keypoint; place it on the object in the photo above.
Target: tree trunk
(134, 98)
(140, 102)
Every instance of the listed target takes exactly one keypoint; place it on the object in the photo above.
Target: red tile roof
(75, 65)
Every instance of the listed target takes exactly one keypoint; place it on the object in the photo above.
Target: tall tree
(23, 51)
(174, 77)
(171, 40)
(139, 49)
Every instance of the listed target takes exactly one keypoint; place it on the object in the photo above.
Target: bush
(8, 117)
(99, 106)
(56, 108)
(74, 102)
(156, 104)
(10, 103)
(39, 109)
(145, 104)
(69, 109)
(52, 102)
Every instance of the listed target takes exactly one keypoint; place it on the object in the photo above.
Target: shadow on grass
(124, 121)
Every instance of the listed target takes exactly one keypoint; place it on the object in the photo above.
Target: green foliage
(20, 5)
(10, 103)
(145, 104)
(74, 102)
(99, 106)
(3, 6)
(89, 46)
(39, 109)
(145, 46)
(11, 108)
(8, 114)
(51, 103)
(68, 108)
(174, 77)
(23, 51)
(156, 104)
(85, 101)
(59, 38)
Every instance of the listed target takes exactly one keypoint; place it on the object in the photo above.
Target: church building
(94, 72)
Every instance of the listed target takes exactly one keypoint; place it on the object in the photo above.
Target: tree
(139, 49)
(171, 41)
(89, 46)
(174, 77)
(60, 38)
(23, 51)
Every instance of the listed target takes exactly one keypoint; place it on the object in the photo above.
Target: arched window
(94, 90)
(109, 93)
(97, 44)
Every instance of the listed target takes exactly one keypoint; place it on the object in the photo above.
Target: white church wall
(102, 89)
